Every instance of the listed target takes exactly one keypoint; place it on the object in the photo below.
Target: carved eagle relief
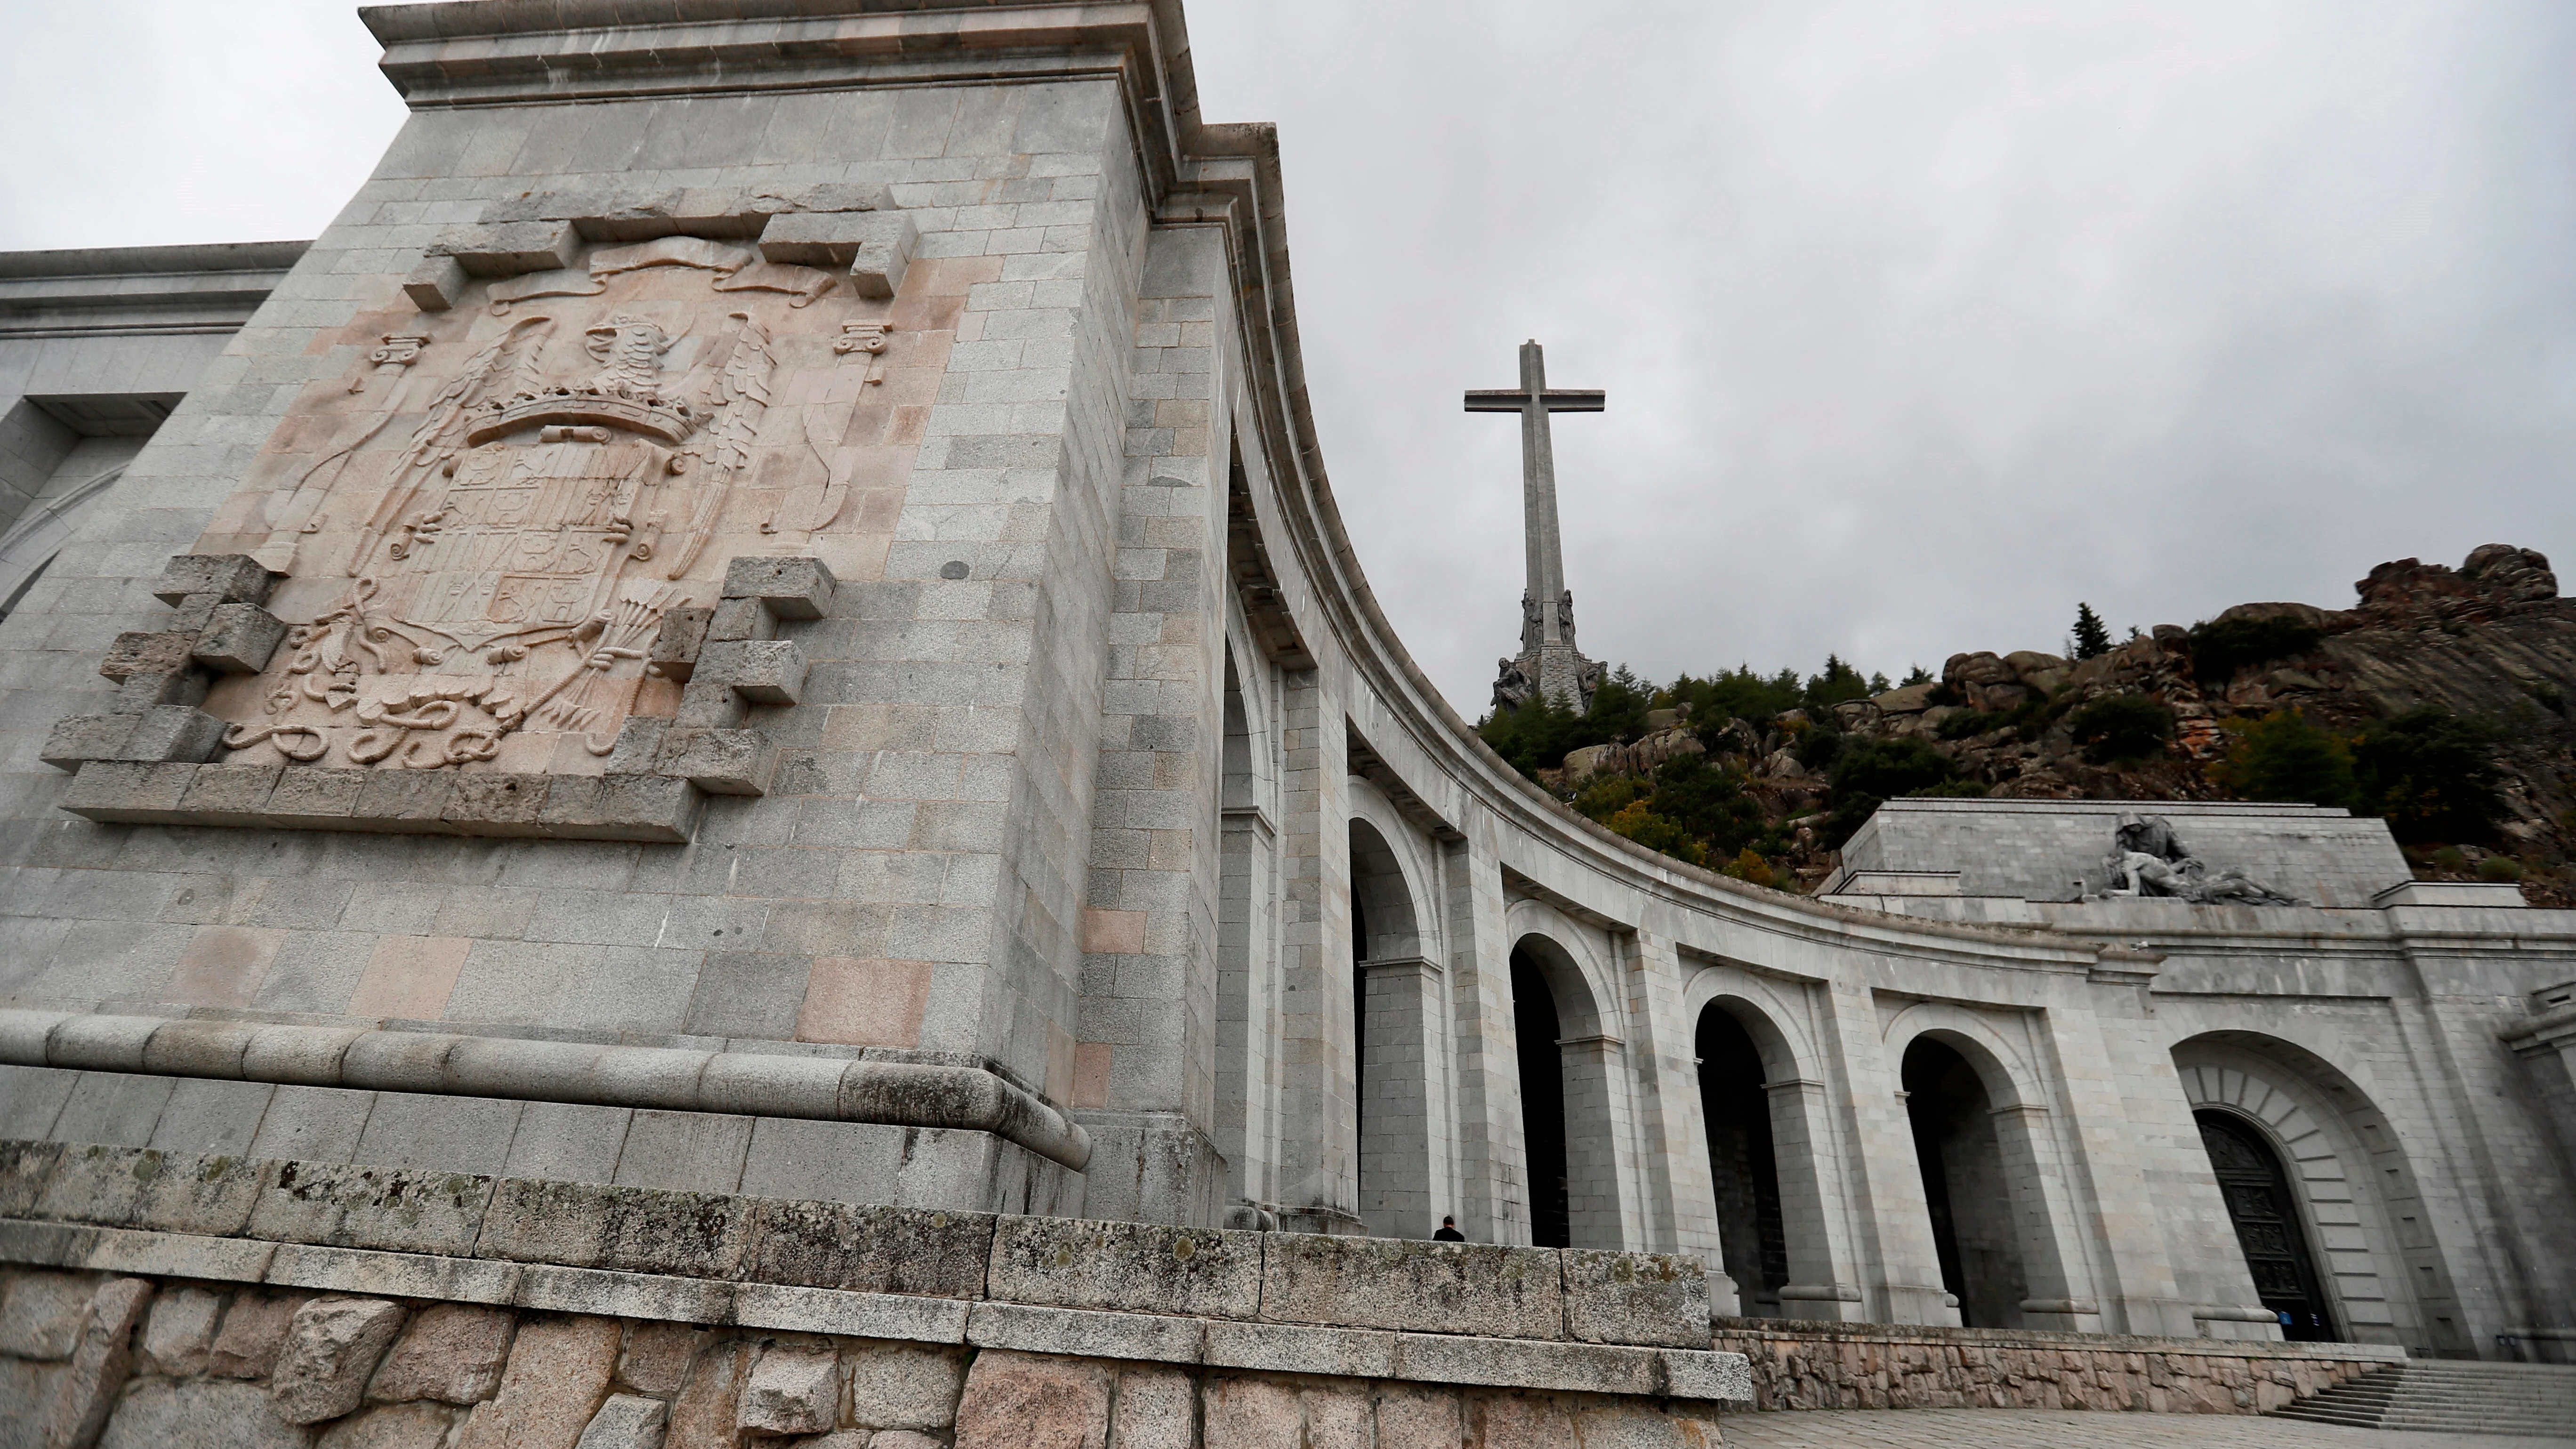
(490, 578)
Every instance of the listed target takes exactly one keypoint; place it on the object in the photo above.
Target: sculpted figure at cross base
(2150, 860)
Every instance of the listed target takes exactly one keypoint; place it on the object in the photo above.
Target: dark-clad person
(1448, 1232)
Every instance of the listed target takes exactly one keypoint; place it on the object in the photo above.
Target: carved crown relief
(482, 535)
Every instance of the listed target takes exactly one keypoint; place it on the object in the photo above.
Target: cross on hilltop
(1548, 662)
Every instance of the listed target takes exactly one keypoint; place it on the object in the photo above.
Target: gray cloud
(1919, 322)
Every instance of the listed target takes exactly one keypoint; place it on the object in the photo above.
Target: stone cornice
(530, 52)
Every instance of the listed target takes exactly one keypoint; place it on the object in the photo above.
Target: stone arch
(1396, 1015)
(1807, 1151)
(1740, 1053)
(31, 542)
(2004, 1229)
(1571, 1117)
(2359, 1210)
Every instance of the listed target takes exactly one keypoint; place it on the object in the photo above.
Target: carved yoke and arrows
(1548, 662)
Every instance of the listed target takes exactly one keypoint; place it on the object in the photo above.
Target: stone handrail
(900, 1094)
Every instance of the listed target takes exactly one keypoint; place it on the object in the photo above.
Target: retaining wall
(1798, 1364)
(155, 1299)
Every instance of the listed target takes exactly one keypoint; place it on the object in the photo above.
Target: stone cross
(1534, 400)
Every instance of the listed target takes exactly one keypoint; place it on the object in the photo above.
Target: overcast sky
(1919, 322)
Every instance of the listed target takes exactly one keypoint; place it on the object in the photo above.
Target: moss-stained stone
(1657, 1298)
(1136, 1267)
(1472, 1288)
(868, 1249)
(627, 1229)
(142, 1188)
(396, 1209)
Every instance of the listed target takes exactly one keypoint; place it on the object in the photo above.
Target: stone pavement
(2054, 1429)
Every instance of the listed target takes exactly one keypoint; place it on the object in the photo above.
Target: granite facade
(1075, 839)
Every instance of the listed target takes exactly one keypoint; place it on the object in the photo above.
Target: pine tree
(2091, 638)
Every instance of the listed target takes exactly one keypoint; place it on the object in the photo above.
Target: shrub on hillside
(2121, 727)
(2218, 650)
(2432, 774)
(2283, 757)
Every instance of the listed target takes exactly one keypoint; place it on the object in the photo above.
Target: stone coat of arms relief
(506, 537)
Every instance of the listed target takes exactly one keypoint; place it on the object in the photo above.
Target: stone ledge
(648, 808)
(1700, 1375)
(1164, 1293)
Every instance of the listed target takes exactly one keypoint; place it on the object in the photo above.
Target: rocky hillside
(2440, 699)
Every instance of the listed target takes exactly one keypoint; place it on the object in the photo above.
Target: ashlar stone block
(138, 652)
(626, 1421)
(230, 577)
(331, 1349)
(1028, 1401)
(180, 1332)
(436, 284)
(173, 732)
(793, 1390)
(40, 1315)
(145, 690)
(510, 248)
(451, 1352)
(720, 762)
(876, 246)
(762, 671)
(905, 1386)
(239, 639)
(1646, 1298)
(1475, 1288)
(674, 655)
(100, 1363)
(789, 588)
(76, 738)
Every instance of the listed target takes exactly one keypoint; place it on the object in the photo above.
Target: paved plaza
(2053, 1429)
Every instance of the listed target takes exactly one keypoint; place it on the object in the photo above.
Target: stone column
(1493, 1205)
(1902, 1268)
(1147, 1056)
(1400, 1151)
(1824, 1277)
(1682, 1200)
(1601, 1209)
(2054, 1261)
(1318, 1150)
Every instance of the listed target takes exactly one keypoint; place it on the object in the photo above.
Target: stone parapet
(1796, 1364)
(147, 1295)
(145, 1357)
(1285, 1301)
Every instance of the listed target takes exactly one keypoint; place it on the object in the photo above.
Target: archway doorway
(1743, 1164)
(1964, 1185)
(1535, 1034)
(2266, 1214)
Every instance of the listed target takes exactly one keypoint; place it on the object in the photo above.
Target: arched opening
(2265, 1212)
(1964, 1185)
(1395, 1039)
(1743, 1162)
(1572, 1071)
(2347, 1186)
(1535, 1033)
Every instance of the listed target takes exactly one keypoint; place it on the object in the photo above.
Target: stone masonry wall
(142, 1363)
(1798, 1364)
(157, 1298)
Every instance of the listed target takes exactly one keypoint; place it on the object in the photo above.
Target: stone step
(2505, 1399)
